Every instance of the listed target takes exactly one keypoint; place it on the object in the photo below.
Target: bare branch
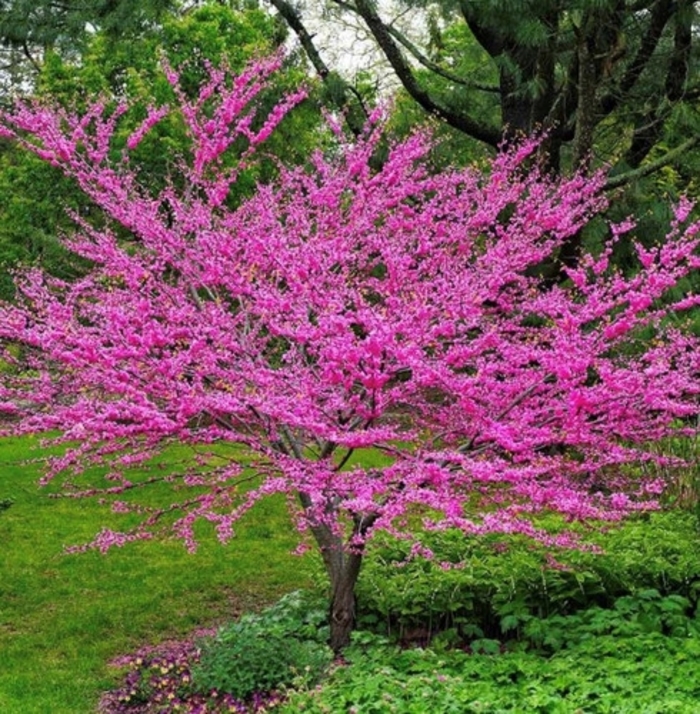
(293, 19)
(30, 57)
(434, 67)
(660, 16)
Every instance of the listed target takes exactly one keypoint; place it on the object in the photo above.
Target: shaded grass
(64, 617)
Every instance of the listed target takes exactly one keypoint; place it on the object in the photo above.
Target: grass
(64, 617)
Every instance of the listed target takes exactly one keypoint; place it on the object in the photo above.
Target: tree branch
(426, 61)
(668, 158)
(30, 57)
(660, 16)
(293, 19)
(492, 41)
(458, 120)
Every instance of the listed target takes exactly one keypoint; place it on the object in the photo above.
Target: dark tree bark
(586, 110)
(344, 572)
(623, 65)
(342, 562)
(459, 120)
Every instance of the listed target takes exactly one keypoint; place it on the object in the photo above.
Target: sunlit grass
(63, 618)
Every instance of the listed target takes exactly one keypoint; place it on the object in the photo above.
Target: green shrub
(282, 646)
(496, 584)
(645, 613)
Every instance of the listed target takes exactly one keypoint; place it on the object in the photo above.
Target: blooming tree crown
(342, 311)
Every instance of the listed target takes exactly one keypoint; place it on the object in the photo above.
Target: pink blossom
(344, 307)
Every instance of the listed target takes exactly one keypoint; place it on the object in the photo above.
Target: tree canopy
(66, 25)
(31, 28)
(367, 338)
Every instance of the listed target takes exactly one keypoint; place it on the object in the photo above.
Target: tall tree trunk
(586, 109)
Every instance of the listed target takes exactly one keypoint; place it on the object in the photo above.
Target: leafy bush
(159, 681)
(598, 661)
(612, 632)
(5, 503)
(646, 612)
(494, 585)
(647, 673)
(281, 646)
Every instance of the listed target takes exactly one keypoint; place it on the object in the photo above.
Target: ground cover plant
(602, 675)
(359, 302)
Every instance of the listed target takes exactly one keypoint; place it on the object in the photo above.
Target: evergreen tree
(610, 79)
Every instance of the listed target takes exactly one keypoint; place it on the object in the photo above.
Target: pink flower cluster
(159, 681)
(344, 308)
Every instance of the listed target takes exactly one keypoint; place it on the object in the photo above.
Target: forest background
(612, 84)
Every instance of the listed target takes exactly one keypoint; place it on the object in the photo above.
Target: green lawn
(64, 617)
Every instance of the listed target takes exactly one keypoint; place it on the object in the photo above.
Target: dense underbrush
(493, 586)
(487, 625)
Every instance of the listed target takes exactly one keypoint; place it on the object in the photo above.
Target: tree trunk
(586, 119)
(342, 563)
(343, 577)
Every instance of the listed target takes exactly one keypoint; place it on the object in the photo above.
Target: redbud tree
(347, 309)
